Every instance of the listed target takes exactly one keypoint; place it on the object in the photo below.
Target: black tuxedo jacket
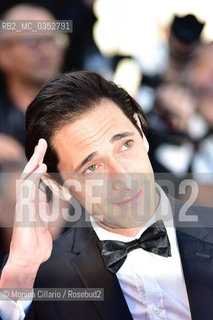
(76, 263)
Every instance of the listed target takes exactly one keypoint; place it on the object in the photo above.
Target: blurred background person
(27, 62)
(172, 141)
(82, 46)
(171, 147)
(184, 41)
(199, 78)
(181, 120)
(181, 125)
(182, 38)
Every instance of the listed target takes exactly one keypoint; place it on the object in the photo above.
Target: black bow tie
(154, 239)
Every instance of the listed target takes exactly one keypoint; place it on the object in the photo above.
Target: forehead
(25, 13)
(104, 118)
(28, 13)
(91, 131)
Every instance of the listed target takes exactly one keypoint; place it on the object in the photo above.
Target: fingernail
(43, 167)
(42, 141)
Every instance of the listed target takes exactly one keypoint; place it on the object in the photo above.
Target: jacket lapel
(89, 265)
(196, 257)
(196, 252)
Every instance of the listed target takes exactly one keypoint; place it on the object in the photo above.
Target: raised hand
(31, 240)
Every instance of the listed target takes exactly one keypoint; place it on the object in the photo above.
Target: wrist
(18, 277)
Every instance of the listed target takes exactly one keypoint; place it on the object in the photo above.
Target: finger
(36, 159)
(28, 198)
(33, 179)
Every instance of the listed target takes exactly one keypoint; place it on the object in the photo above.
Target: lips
(130, 201)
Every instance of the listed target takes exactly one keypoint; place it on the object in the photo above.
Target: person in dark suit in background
(152, 259)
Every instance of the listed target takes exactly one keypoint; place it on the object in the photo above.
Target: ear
(57, 189)
(146, 143)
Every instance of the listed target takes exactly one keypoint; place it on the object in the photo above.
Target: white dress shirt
(153, 286)
(11, 310)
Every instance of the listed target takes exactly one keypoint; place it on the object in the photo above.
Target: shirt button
(156, 310)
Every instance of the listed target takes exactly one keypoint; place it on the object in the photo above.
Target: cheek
(22, 55)
(206, 108)
(57, 55)
(141, 162)
(78, 195)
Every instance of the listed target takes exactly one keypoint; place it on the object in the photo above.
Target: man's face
(31, 57)
(103, 149)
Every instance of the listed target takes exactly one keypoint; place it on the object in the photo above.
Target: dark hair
(65, 99)
(187, 28)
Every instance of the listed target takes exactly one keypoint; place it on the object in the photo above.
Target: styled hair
(64, 100)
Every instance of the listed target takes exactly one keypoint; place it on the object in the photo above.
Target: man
(93, 134)
(27, 61)
(184, 42)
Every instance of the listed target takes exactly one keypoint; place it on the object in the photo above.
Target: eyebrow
(115, 138)
(120, 136)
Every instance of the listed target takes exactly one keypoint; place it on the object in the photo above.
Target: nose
(45, 44)
(119, 177)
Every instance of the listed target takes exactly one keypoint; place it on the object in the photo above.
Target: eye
(127, 145)
(91, 168)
